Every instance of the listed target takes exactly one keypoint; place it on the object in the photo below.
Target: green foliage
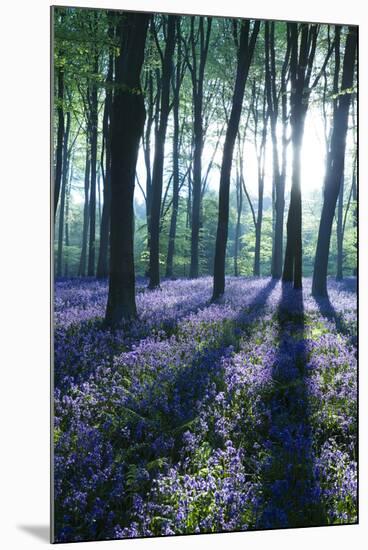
(82, 38)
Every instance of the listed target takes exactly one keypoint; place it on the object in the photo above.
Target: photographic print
(204, 233)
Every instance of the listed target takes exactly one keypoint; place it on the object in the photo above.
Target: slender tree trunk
(67, 215)
(355, 212)
(257, 249)
(83, 257)
(197, 183)
(102, 263)
(261, 171)
(245, 54)
(175, 199)
(99, 196)
(301, 63)
(175, 207)
(158, 163)
(339, 233)
(293, 254)
(147, 155)
(92, 202)
(278, 172)
(197, 81)
(335, 167)
(239, 209)
(59, 138)
(127, 125)
(64, 181)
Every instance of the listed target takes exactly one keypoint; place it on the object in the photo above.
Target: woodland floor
(204, 417)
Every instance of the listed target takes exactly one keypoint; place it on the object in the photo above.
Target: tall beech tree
(303, 41)
(177, 80)
(340, 231)
(199, 40)
(274, 97)
(102, 263)
(64, 182)
(67, 218)
(239, 184)
(83, 257)
(260, 118)
(158, 162)
(59, 136)
(93, 121)
(247, 42)
(127, 124)
(335, 164)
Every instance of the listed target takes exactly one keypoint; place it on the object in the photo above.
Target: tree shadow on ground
(327, 310)
(156, 432)
(191, 383)
(290, 491)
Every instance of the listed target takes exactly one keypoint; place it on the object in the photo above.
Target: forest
(205, 220)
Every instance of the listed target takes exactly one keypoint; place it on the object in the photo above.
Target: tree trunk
(83, 257)
(158, 162)
(245, 54)
(67, 214)
(64, 181)
(339, 232)
(239, 209)
(335, 167)
(278, 173)
(147, 155)
(301, 63)
(197, 82)
(102, 263)
(261, 152)
(127, 124)
(92, 202)
(59, 138)
(175, 199)
(355, 211)
(293, 254)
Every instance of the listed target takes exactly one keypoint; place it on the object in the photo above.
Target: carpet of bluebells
(203, 417)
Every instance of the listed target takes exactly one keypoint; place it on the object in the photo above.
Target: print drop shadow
(40, 532)
(289, 489)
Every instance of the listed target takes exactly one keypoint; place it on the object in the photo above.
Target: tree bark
(64, 181)
(67, 214)
(126, 131)
(59, 138)
(147, 154)
(175, 199)
(339, 232)
(261, 152)
(335, 167)
(197, 82)
(103, 263)
(83, 257)
(278, 172)
(92, 201)
(239, 209)
(301, 63)
(355, 211)
(245, 54)
(158, 162)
